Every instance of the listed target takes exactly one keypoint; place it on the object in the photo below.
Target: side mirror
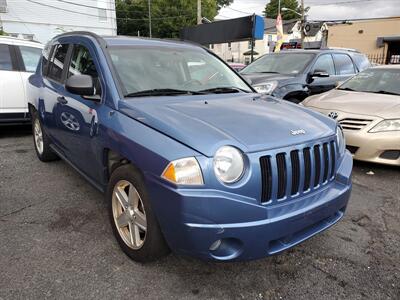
(320, 73)
(80, 85)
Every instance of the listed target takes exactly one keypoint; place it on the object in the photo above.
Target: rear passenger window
(57, 62)
(30, 57)
(5, 58)
(325, 63)
(82, 63)
(344, 64)
(361, 62)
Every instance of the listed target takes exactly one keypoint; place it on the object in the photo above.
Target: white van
(18, 60)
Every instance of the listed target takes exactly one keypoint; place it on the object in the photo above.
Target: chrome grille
(296, 172)
(354, 124)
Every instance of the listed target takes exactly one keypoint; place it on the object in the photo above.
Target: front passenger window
(82, 63)
(325, 63)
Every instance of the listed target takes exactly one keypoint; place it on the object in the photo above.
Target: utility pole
(198, 11)
(149, 4)
(303, 23)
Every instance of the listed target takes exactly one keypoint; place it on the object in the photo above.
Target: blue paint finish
(150, 132)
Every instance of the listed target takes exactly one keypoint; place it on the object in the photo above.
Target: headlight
(185, 171)
(340, 140)
(228, 164)
(387, 125)
(266, 88)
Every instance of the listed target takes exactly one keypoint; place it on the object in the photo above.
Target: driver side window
(82, 64)
(325, 63)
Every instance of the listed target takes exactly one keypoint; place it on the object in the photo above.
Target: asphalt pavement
(56, 242)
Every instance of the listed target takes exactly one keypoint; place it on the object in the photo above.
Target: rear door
(53, 92)
(12, 97)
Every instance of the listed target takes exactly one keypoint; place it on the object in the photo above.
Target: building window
(102, 15)
(212, 46)
(250, 44)
(230, 46)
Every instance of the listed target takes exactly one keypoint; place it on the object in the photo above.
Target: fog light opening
(214, 246)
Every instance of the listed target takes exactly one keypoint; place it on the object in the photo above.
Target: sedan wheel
(129, 214)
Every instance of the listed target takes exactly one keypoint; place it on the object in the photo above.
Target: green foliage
(271, 9)
(168, 16)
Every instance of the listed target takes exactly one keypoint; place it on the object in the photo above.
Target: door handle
(62, 100)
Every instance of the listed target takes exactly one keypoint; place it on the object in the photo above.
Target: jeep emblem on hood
(298, 131)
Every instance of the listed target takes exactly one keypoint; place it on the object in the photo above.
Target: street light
(292, 10)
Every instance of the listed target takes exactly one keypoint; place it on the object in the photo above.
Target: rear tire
(132, 218)
(41, 140)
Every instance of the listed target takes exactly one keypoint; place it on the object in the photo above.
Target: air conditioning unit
(3, 6)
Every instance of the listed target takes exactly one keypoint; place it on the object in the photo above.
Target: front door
(77, 116)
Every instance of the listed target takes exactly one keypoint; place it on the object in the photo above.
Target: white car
(18, 60)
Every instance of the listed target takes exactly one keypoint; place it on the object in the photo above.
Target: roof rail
(88, 33)
(341, 48)
(18, 39)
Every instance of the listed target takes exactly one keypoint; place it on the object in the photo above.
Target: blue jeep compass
(189, 157)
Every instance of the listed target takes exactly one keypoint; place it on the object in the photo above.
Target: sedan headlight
(185, 171)
(386, 125)
(228, 164)
(266, 88)
(340, 140)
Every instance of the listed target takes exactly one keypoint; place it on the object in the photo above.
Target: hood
(259, 78)
(247, 121)
(380, 105)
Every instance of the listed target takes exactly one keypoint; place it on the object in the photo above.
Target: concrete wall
(362, 35)
(43, 19)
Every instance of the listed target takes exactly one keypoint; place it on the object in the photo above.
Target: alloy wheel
(38, 135)
(129, 214)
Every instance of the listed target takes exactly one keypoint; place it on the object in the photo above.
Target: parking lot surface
(56, 242)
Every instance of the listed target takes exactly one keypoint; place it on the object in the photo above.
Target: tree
(168, 16)
(271, 9)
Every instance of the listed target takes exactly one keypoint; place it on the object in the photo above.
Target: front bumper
(374, 147)
(189, 218)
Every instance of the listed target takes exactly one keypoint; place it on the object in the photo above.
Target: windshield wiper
(223, 90)
(384, 92)
(347, 89)
(161, 92)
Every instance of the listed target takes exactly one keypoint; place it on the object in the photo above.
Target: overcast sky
(321, 9)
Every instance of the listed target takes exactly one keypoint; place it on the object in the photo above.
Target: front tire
(132, 218)
(41, 140)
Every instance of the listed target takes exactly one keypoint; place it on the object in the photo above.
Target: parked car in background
(237, 66)
(296, 74)
(368, 108)
(18, 60)
(187, 164)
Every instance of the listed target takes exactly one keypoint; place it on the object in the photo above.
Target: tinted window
(282, 63)
(344, 64)
(5, 58)
(30, 57)
(325, 63)
(82, 63)
(361, 62)
(57, 62)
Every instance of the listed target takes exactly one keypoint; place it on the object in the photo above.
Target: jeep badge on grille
(298, 131)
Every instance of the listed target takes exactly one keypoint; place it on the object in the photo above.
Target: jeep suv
(195, 162)
(296, 74)
(18, 60)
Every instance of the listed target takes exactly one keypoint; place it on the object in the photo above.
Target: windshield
(282, 63)
(383, 81)
(146, 71)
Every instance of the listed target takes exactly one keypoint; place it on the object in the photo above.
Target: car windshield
(282, 63)
(380, 80)
(151, 71)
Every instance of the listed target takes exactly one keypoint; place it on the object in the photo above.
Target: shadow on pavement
(15, 131)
